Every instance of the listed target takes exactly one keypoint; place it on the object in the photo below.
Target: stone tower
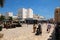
(57, 15)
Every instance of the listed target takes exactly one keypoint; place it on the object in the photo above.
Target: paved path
(25, 33)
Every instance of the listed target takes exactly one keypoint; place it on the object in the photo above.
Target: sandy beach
(25, 33)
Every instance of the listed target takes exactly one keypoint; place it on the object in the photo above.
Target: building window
(56, 11)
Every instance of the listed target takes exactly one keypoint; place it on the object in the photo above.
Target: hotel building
(25, 13)
(28, 16)
(29, 13)
(22, 13)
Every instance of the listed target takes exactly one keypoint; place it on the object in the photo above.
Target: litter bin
(0, 28)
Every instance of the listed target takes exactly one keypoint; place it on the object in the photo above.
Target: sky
(41, 7)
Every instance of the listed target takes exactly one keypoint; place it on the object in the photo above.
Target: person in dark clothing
(48, 28)
(39, 30)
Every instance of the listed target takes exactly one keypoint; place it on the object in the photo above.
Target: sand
(25, 33)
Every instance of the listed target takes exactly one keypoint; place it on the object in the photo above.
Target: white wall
(8, 14)
(29, 13)
(25, 13)
(22, 13)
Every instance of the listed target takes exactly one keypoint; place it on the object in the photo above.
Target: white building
(22, 13)
(29, 13)
(25, 13)
(15, 17)
(8, 14)
(38, 17)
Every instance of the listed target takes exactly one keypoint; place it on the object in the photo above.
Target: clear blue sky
(41, 7)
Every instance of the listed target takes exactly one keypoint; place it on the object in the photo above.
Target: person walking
(34, 28)
(48, 27)
(39, 30)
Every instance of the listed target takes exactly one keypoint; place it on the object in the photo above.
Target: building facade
(15, 17)
(37, 17)
(57, 14)
(22, 13)
(25, 13)
(28, 16)
(9, 14)
(29, 13)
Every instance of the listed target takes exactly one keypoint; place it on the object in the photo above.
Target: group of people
(38, 30)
